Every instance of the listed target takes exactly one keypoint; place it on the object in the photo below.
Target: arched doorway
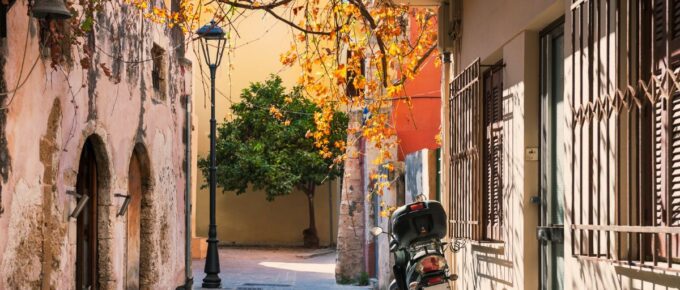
(139, 184)
(86, 232)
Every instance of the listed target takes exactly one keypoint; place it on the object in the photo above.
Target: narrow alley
(264, 268)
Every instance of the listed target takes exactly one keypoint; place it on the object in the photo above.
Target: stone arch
(140, 242)
(94, 180)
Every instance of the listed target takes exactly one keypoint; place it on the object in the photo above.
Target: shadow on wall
(646, 279)
(490, 264)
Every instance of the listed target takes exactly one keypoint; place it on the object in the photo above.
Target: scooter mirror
(376, 231)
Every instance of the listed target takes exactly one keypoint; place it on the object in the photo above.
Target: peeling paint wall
(42, 133)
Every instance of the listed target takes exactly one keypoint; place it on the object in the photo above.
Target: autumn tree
(265, 145)
(354, 54)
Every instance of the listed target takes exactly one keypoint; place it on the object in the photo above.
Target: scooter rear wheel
(393, 285)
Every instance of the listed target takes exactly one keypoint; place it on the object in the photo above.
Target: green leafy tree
(267, 145)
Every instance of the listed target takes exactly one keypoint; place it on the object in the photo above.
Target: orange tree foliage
(355, 55)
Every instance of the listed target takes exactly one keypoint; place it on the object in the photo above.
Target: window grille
(626, 131)
(476, 141)
(465, 150)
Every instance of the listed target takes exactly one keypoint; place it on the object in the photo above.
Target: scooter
(415, 235)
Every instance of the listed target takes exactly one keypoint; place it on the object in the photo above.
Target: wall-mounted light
(53, 9)
(126, 203)
(82, 201)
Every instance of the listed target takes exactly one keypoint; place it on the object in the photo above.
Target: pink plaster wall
(37, 238)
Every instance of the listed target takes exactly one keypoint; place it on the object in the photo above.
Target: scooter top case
(418, 221)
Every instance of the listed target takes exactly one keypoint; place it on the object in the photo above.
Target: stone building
(92, 153)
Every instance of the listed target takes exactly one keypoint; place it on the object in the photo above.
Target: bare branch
(249, 4)
(295, 25)
(381, 44)
(420, 62)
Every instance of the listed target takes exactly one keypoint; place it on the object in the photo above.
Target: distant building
(255, 56)
(92, 153)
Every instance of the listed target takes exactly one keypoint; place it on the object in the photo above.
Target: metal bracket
(553, 234)
(492, 65)
(82, 201)
(126, 203)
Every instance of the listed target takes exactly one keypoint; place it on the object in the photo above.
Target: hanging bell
(54, 9)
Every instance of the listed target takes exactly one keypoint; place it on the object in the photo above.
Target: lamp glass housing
(213, 43)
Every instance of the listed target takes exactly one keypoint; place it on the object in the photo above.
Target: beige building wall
(513, 37)
(249, 219)
(508, 30)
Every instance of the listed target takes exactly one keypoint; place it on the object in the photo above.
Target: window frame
(159, 73)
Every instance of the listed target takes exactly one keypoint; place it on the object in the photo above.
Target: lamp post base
(212, 281)
(212, 266)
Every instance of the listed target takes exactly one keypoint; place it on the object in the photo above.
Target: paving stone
(274, 269)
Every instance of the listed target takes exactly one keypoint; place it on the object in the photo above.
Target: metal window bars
(476, 154)
(466, 141)
(625, 97)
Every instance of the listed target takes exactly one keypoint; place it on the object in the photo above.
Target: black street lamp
(212, 44)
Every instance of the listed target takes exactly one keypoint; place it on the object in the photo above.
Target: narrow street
(273, 269)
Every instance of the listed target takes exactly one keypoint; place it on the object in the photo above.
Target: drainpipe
(447, 64)
(187, 200)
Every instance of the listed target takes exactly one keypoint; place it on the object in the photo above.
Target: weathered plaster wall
(421, 171)
(49, 120)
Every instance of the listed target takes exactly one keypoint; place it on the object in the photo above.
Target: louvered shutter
(665, 33)
(666, 123)
(674, 15)
(493, 150)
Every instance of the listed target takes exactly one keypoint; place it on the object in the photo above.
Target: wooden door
(133, 223)
(86, 244)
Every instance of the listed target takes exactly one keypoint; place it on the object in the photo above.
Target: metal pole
(187, 200)
(212, 261)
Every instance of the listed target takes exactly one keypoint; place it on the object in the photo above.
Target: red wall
(417, 126)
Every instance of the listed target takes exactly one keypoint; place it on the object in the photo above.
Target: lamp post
(212, 44)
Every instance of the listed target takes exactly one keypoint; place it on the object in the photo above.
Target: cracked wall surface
(42, 133)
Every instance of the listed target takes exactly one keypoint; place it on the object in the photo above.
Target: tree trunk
(311, 238)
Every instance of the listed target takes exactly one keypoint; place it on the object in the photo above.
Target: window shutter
(493, 150)
(659, 31)
(666, 123)
(674, 15)
(664, 34)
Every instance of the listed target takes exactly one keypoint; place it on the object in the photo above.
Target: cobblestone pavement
(273, 269)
